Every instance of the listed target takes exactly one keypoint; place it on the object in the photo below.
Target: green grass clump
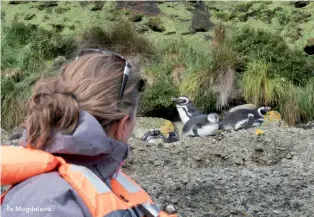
(306, 101)
(119, 37)
(158, 95)
(27, 51)
(218, 75)
(257, 86)
(294, 102)
(14, 96)
(253, 44)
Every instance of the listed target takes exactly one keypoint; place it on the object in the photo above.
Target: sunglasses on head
(118, 57)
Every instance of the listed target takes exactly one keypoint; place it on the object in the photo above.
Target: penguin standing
(153, 136)
(202, 125)
(186, 108)
(243, 118)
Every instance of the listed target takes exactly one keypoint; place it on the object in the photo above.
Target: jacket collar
(88, 146)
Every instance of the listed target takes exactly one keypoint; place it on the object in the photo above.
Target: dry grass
(177, 74)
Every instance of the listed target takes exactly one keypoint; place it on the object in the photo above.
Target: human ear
(122, 127)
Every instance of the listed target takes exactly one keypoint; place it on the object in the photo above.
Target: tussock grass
(26, 52)
(120, 37)
(260, 87)
(306, 101)
(14, 96)
(253, 44)
(219, 74)
(257, 86)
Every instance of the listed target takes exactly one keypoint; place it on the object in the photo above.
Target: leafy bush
(255, 44)
(158, 95)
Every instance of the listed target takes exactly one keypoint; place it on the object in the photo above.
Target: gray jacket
(49, 195)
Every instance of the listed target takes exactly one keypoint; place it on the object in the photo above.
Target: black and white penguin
(202, 125)
(153, 136)
(243, 118)
(186, 108)
(172, 137)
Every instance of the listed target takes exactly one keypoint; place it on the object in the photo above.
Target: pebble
(170, 209)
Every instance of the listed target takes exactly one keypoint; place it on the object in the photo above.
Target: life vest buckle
(148, 210)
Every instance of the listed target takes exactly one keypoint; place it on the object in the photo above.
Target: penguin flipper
(249, 122)
(195, 129)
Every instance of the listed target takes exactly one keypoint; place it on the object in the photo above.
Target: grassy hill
(217, 53)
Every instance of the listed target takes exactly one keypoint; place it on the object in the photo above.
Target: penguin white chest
(183, 113)
(208, 130)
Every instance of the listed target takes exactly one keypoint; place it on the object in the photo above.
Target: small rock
(170, 209)
(234, 212)
(289, 155)
(238, 161)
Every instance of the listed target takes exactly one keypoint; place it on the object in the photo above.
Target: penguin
(186, 108)
(172, 137)
(243, 118)
(244, 106)
(153, 136)
(201, 126)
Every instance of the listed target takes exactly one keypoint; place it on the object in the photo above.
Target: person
(75, 141)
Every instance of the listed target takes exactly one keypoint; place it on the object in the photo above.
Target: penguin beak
(268, 108)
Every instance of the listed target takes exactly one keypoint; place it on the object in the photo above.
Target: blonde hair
(90, 83)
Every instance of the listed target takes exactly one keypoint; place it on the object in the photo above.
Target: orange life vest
(98, 197)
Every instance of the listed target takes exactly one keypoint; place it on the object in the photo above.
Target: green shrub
(259, 87)
(26, 51)
(119, 37)
(18, 34)
(255, 44)
(306, 101)
(158, 95)
(49, 44)
(13, 100)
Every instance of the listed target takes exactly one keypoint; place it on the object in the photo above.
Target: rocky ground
(231, 174)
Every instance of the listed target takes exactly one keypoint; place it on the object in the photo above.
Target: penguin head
(155, 132)
(213, 118)
(263, 110)
(172, 137)
(172, 134)
(182, 100)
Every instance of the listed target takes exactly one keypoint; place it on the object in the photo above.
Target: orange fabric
(19, 164)
(94, 201)
(133, 198)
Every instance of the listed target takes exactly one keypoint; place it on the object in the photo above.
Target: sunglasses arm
(126, 73)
